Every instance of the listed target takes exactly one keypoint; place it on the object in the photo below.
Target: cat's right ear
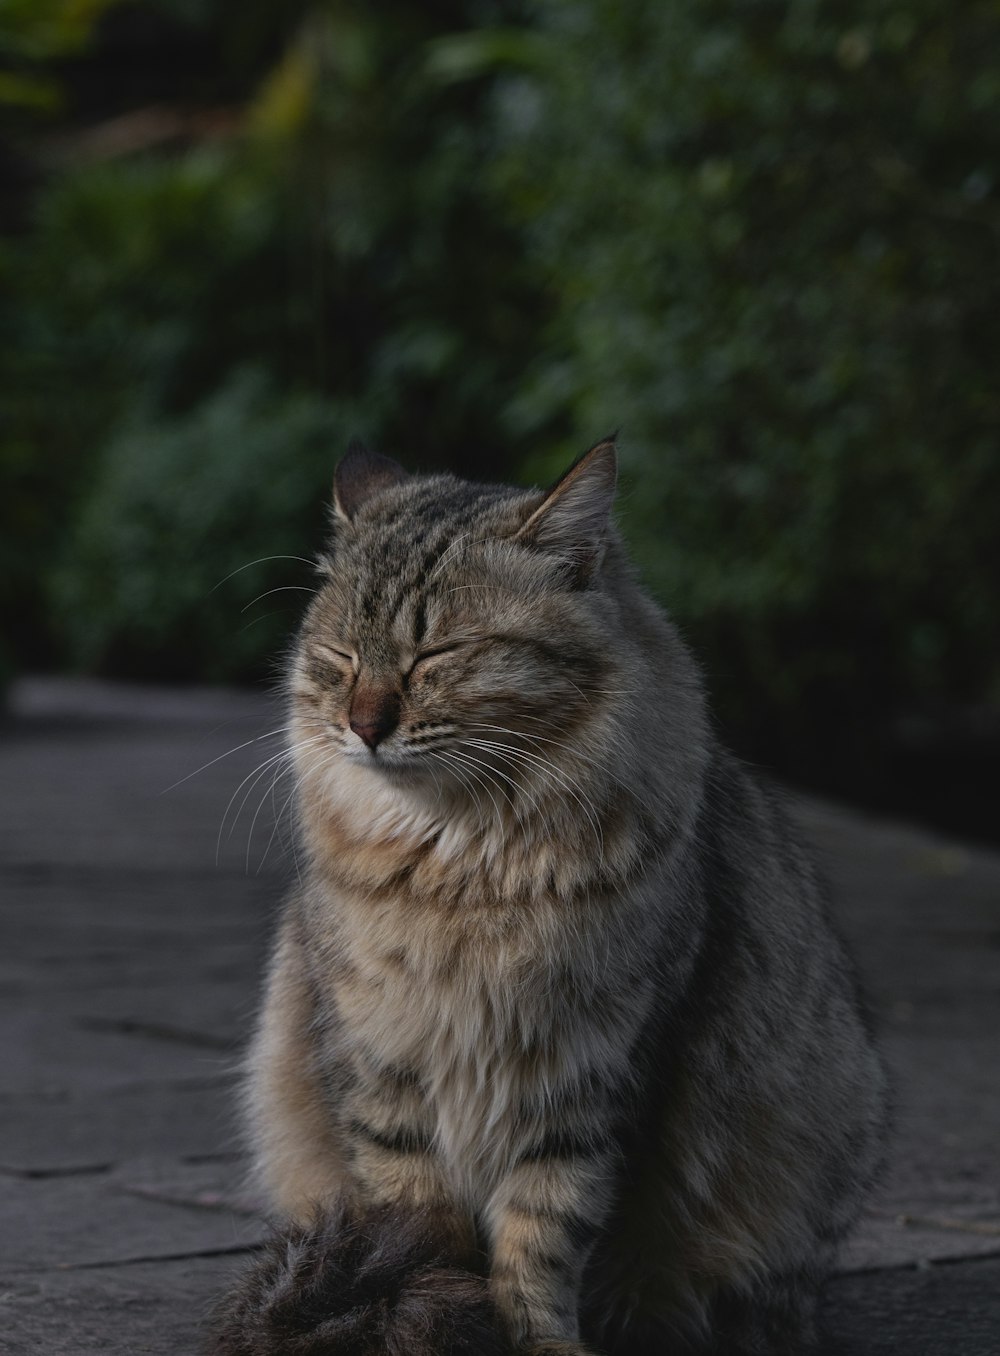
(573, 519)
(359, 475)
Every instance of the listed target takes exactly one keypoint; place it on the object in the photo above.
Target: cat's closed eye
(436, 652)
(341, 658)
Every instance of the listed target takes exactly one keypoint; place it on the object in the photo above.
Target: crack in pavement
(128, 1026)
(925, 1264)
(109, 1263)
(42, 1174)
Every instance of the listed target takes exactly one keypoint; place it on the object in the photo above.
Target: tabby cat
(559, 1053)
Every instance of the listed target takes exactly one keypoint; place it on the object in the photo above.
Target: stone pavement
(134, 931)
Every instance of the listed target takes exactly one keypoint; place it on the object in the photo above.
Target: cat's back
(777, 1021)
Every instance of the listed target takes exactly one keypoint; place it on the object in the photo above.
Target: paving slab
(52, 1050)
(64, 1131)
(163, 1309)
(134, 932)
(146, 1309)
(951, 1310)
(125, 1215)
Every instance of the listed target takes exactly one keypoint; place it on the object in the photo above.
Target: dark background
(761, 239)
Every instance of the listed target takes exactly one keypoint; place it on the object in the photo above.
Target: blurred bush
(162, 578)
(772, 236)
(333, 238)
(34, 33)
(762, 239)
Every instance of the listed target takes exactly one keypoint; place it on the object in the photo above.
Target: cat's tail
(382, 1284)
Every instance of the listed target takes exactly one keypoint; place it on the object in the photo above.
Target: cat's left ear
(360, 475)
(573, 518)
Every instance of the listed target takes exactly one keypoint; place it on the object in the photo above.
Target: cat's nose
(374, 715)
(373, 732)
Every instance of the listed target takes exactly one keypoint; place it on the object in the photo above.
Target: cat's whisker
(256, 774)
(600, 761)
(562, 779)
(261, 560)
(484, 782)
(550, 770)
(512, 801)
(283, 588)
(252, 777)
(275, 612)
(271, 734)
(277, 776)
(456, 760)
(535, 757)
(437, 785)
(283, 839)
(489, 770)
(518, 786)
(457, 771)
(598, 756)
(576, 687)
(277, 817)
(543, 739)
(449, 551)
(595, 758)
(479, 588)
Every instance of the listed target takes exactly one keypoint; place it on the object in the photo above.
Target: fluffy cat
(559, 1053)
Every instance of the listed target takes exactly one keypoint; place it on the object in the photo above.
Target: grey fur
(558, 968)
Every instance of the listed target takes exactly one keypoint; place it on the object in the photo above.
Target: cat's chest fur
(494, 1011)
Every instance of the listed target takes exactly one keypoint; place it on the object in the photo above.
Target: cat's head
(461, 632)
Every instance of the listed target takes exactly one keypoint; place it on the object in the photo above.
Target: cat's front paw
(379, 1282)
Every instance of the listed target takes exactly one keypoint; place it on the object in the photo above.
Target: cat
(559, 1052)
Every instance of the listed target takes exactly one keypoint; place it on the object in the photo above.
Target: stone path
(128, 977)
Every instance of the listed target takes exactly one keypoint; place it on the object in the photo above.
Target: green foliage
(761, 239)
(113, 317)
(772, 231)
(148, 281)
(34, 32)
(163, 576)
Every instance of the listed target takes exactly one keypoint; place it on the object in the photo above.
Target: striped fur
(557, 971)
(360, 1284)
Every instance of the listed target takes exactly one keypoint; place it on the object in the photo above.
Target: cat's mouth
(389, 759)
